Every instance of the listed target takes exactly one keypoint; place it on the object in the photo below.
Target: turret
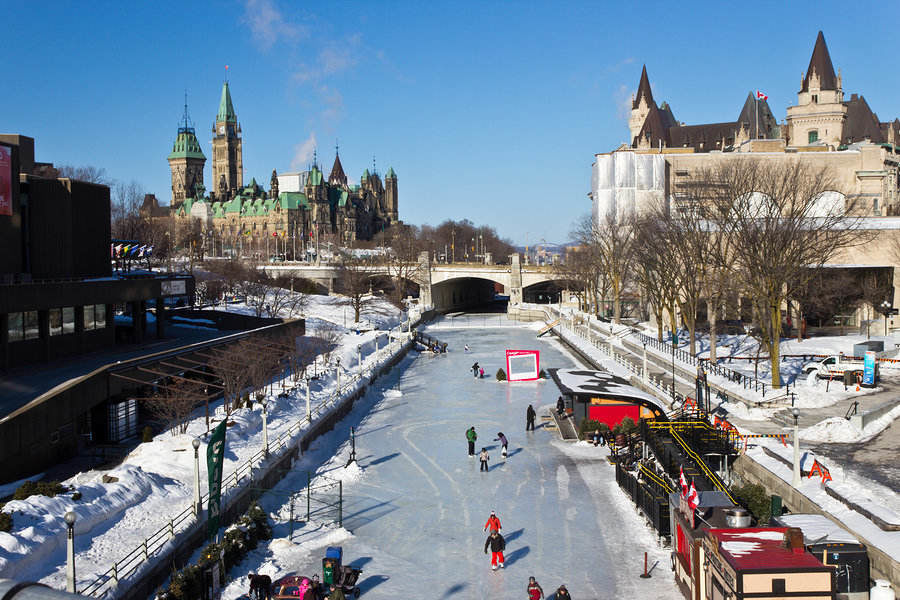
(186, 161)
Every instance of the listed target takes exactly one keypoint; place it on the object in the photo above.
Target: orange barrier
(820, 469)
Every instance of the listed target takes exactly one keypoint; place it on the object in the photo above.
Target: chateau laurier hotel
(824, 127)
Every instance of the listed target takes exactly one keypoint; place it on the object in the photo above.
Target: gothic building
(298, 210)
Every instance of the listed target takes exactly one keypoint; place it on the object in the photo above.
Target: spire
(337, 177)
(643, 90)
(226, 108)
(820, 63)
(185, 120)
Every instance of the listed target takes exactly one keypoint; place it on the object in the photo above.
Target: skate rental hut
(604, 397)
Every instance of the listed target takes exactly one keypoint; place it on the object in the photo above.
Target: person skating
(529, 418)
(480, 373)
(471, 436)
(534, 590)
(562, 593)
(466, 347)
(475, 368)
(498, 545)
(335, 593)
(560, 406)
(503, 443)
(493, 523)
(484, 458)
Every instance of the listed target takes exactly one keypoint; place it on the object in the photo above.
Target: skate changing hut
(601, 396)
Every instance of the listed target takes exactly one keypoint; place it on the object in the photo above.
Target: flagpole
(757, 115)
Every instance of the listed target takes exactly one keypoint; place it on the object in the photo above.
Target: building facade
(299, 212)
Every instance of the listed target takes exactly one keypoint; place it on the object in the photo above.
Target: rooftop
(759, 549)
(597, 383)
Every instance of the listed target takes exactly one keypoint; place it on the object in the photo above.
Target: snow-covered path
(417, 510)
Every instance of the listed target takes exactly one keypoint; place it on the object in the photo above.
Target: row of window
(25, 326)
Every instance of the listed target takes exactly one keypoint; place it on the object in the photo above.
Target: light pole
(265, 417)
(886, 309)
(339, 374)
(197, 505)
(308, 411)
(359, 358)
(70, 551)
(796, 480)
(674, 338)
(644, 370)
(453, 246)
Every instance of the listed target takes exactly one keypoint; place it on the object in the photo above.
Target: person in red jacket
(534, 590)
(493, 523)
(498, 545)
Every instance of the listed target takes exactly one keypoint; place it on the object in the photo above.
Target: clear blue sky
(487, 111)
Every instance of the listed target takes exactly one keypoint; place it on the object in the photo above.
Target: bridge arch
(464, 292)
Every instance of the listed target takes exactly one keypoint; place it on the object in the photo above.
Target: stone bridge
(443, 286)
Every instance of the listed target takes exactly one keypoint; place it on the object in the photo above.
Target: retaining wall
(861, 420)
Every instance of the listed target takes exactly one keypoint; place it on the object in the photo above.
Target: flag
(215, 455)
(761, 96)
(683, 481)
(693, 498)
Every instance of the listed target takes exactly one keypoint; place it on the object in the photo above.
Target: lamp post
(339, 374)
(674, 339)
(308, 411)
(644, 370)
(265, 417)
(796, 480)
(885, 309)
(70, 551)
(197, 505)
(359, 358)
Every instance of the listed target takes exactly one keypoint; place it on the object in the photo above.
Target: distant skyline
(489, 112)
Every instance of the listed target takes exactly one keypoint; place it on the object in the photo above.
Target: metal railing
(156, 542)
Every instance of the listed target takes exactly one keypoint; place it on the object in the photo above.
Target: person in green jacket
(471, 436)
(335, 593)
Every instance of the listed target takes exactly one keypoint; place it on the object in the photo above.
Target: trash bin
(849, 377)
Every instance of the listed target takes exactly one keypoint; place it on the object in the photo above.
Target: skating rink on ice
(416, 505)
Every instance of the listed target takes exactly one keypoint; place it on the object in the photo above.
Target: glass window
(813, 136)
(32, 331)
(16, 327)
(68, 319)
(89, 317)
(99, 315)
(55, 321)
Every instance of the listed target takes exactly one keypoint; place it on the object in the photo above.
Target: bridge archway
(547, 292)
(465, 292)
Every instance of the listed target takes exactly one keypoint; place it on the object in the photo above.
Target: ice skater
(475, 368)
(471, 437)
(480, 373)
(503, 443)
(493, 523)
(466, 347)
(498, 545)
(534, 590)
(484, 458)
(560, 406)
(562, 593)
(529, 418)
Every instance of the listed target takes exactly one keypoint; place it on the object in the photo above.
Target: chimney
(793, 540)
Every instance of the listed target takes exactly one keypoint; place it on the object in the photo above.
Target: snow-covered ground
(155, 480)
(416, 505)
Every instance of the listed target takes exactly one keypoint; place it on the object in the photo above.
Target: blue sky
(488, 111)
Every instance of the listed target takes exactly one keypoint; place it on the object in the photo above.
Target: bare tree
(654, 268)
(353, 280)
(401, 262)
(88, 173)
(174, 402)
(778, 228)
(614, 236)
(231, 366)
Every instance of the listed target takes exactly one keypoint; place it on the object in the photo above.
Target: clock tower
(227, 160)
(186, 163)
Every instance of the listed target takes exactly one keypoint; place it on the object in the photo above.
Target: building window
(32, 330)
(55, 321)
(89, 322)
(813, 136)
(15, 328)
(99, 315)
(68, 319)
(778, 586)
(815, 99)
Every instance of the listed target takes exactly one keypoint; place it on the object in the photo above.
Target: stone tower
(640, 106)
(186, 162)
(820, 113)
(337, 176)
(228, 163)
(390, 194)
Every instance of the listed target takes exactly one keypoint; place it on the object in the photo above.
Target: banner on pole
(215, 455)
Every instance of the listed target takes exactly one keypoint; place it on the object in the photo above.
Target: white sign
(175, 287)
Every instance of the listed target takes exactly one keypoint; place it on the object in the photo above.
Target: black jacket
(563, 595)
(530, 414)
(497, 544)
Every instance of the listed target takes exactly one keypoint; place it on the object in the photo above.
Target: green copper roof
(226, 108)
(337, 196)
(186, 145)
(365, 175)
(390, 174)
(293, 200)
(233, 206)
(315, 176)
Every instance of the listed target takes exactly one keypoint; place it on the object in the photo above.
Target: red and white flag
(761, 96)
(693, 498)
(683, 481)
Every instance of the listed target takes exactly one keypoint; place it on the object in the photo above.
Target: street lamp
(265, 416)
(339, 374)
(69, 517)
(886, 309)
(674, 338)
(644, 371)
(197, 505)
(359, 358)
(796, 480)
(308, 411)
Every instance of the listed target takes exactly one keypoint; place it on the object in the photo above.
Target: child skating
(493, 523)
(503, 444)
(498, 545)
(484, 458)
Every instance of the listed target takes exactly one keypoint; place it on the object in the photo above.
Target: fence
(156, 542)
(654, 503)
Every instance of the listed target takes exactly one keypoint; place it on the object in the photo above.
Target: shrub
(5, 521)
(755, 499)
(501, 375)
(588, 426)
(76, 496)
(147, 434)
(627, 425)
(542, 374)
(39, 488)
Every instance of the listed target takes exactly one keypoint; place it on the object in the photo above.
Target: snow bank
(840, 430)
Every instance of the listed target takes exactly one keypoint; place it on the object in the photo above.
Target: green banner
(215, 455)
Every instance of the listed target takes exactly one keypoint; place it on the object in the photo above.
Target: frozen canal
(417, 509)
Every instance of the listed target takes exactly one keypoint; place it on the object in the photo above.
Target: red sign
(6, 181)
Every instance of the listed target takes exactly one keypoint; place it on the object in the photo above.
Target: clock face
(221, 129)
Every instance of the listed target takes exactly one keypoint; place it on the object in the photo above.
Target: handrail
(661, 482)
(713, 478)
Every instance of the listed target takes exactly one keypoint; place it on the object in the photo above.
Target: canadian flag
(683, 481)
(761, 96)
(693, 498)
